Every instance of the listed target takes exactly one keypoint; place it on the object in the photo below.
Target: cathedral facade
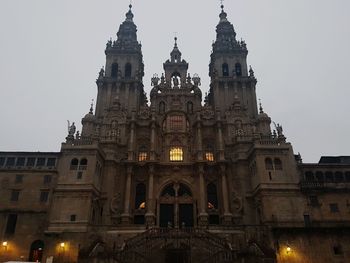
(184, 177)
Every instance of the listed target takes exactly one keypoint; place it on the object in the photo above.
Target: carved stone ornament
(144, 113)
(207, 113)
(115, 205)
(237, 202)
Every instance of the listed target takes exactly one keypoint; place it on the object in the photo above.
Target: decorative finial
(260, 107)
(175, 38)
(130, 5)
(251, 71)
(92, 107)
(129, 14)
(222, 5)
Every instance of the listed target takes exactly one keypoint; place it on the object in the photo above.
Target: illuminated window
(176, 122)
(176, 154)
(209, 156)
(143, 156)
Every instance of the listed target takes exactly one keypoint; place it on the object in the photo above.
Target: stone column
(227, 218)
(221, 156)
(126, 217)
(203, 215)
(132, 138)
(199, 139)
(150, 215)
(152, 156)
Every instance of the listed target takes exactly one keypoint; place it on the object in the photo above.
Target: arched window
(268, 164)
(212, 196)
(83, 164)
(176, 122)
(140, 196)
(74, 164)
(168, 191)
(209, 156)
(225, 71)
(339, 177)
(309, 176)
(238, 69)
(176, 154)
(278, 164)
(347, 176)
(329, 177)
(114, 71)
(128, 70)
(143, 155)
(209, 153)
(319, 176)
(162, 107)
(184, 191)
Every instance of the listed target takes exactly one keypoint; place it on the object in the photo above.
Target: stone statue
(71, 129)
(279, 129)
(115, 204)
(155, 80)
(162, 79)
(102, 72)
(176, 81)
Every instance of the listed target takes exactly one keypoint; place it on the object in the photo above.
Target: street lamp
(4, 245)
(288, 249)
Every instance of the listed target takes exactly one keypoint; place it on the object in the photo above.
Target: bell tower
(228, 70)
(120, 83)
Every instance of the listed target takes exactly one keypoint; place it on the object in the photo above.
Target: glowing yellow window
(176, 154)
(142, 156)
(209, 156)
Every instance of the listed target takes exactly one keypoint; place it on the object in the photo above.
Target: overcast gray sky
(51, 52)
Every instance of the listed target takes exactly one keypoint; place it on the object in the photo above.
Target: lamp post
(62, 246)
(4, 245)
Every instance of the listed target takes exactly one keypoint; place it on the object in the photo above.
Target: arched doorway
(36, 251)
(176, 206)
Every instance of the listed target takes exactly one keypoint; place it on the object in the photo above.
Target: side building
(179, 178)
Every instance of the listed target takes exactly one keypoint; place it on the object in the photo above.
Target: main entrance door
(176, 206)
(166, 216)
(177, 256)
(186, 215)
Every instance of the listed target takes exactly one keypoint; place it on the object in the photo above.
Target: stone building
(181, 178)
